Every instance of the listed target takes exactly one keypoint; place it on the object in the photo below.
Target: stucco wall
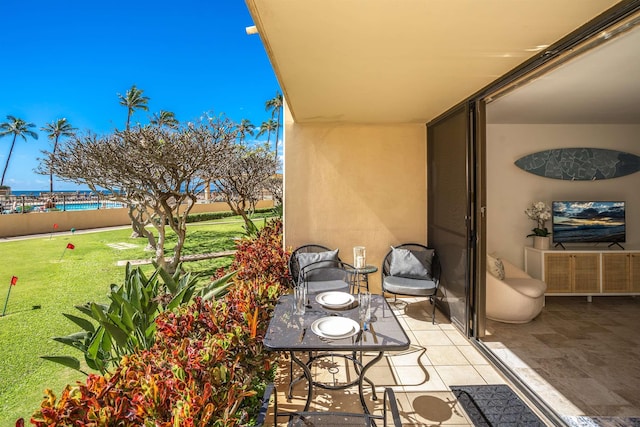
(348, 185)
(42, 222)
(510, 190)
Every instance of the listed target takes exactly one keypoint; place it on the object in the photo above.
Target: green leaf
(120, 336)
(85, 309)
(168, 279)
(68, 361)
(216, 292)
(151, 330)
(73, 340)
(96, 343)
(117, 321)
(98, 312)
(95, 364)
(177, 299)
(83, 323)
(127, 316)
(217, 287)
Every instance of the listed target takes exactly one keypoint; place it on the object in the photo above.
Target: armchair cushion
(304, 259)
(408, 286)
(411, 264)
(495, 267)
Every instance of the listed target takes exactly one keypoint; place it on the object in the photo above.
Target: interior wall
(510, 189)
(348, 185)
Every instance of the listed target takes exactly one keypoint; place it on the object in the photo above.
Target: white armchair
(518, 298)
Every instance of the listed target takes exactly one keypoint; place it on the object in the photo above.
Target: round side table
(361, 275)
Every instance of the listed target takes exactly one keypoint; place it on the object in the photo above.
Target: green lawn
(55, 285)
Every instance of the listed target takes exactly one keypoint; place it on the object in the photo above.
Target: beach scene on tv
(588, 222)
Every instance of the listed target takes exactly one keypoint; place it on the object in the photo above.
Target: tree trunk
(6, 165)
(160, 247)
(55, 147)
(277, 135)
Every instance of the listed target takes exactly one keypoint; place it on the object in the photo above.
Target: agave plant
(111, 331)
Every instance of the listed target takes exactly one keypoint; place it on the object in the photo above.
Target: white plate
(335, 299)
(335, 327)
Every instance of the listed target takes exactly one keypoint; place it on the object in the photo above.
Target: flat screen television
(588, 222)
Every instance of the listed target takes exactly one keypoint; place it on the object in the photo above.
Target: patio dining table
(292, 333)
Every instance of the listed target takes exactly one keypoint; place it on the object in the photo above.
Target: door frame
(546, 60)
(573, 44)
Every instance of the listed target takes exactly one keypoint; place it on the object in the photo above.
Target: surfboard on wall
(580, 164)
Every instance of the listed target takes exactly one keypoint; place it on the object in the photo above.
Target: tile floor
(420, 377)
(583, 358)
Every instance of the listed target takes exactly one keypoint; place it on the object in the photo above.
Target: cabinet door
(616, 273)
(557, 272)
(635, 271)
(586, 273)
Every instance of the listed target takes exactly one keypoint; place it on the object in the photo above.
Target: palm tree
(245, 128)
(133, 100)
(55, 130)
(165, 118)
(268, 127)
(275, 106)
(17, 127)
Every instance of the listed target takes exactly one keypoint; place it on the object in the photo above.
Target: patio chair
(320, 268)
(308, 254)
(390, 415)
(326, 276)
(412, 269)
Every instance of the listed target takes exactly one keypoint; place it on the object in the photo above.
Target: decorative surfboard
(580, 164)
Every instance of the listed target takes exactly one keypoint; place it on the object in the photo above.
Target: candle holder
(359, 257)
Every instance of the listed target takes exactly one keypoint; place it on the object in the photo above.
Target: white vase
(541, 242)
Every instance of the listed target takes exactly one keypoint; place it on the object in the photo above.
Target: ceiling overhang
(390, 61)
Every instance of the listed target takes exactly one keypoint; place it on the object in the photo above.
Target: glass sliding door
(452, 167)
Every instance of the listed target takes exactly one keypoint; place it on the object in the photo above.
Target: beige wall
(42, 222)
(510, 190)
(348, 185)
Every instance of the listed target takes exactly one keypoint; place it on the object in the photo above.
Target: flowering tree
(243, 176)
(540, 213)
(158, 169)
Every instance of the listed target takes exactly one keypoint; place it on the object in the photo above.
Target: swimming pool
(83, 206)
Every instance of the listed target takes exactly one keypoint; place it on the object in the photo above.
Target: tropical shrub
(208, 365)
(263, 255)
(127, 324)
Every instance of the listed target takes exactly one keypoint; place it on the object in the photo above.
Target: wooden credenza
(585, 272)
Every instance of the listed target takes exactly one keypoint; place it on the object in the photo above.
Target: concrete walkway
(186, 258)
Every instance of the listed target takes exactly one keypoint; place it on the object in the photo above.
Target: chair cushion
(304, 259)
(409, 286)
(495, 267)
(411, 264)
(327, 286)
(533, 288)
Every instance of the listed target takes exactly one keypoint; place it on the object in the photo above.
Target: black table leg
(307, 375)
(361, 379)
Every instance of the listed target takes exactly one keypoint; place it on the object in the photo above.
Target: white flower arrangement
(540, 212)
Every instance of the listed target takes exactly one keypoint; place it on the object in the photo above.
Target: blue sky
(72, 58)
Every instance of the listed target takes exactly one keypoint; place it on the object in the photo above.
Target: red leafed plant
(264, 255)
(207, 366)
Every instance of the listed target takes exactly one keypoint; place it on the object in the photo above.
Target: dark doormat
(495, 405)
